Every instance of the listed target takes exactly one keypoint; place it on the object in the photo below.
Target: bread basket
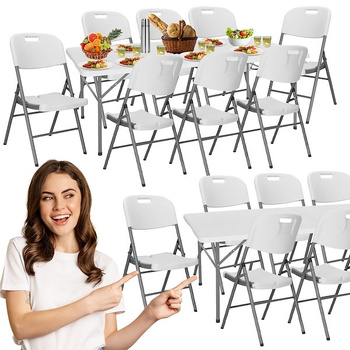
(180, 44)
(97, 55)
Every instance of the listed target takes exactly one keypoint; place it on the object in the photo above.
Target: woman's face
(60, 204)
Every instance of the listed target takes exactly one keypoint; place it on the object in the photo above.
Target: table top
(219, 226)
(116, 70)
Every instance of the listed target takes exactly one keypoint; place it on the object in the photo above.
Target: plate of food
(129, 61)
(96, 64)
(249, 50)
(216, 42)
(128, 48)
(194, 56)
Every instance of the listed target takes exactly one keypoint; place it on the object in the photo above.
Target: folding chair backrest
(329, 186)
(274, 233)
(36, 50)
(145, 212)
(104, 22)
(166, 15)
(333, 230)
(223, 191)
(156, 75)
(221, 71)
(307, 22)
(278, 188)
(282, 63)
(210, 22)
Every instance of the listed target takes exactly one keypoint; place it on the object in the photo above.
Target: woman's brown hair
(40, 240)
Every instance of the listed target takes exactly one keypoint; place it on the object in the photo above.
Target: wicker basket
(175, 45)
(97, 55)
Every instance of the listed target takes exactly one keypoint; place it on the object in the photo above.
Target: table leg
(98, 85)
(216, 254)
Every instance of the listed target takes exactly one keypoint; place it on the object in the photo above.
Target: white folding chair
(276, 189)
(327, 187)
(283, 64)
(220, 71)
(310, 22)
(36, 51)
(143, 214)
(156, 76)
(104, 22)
(221, 192)
(332, 231)
(211, 21)
(272, 234)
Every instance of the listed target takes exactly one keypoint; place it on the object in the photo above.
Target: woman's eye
(69, 195)
(46, 198)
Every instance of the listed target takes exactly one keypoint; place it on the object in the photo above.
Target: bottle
(145, 36)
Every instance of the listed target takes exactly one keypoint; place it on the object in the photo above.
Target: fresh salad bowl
(239, 37)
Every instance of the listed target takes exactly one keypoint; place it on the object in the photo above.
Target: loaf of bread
(188, 32)
(157, 22)
(173, 30)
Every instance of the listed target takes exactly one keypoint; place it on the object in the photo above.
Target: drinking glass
(201, 45)
(267, 41)
(121, 52)
(257, 41)
(160, 49)
(210, 48)
(136, 50)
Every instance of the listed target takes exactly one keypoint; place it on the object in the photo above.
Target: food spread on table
(96, 64)
(197, 56)
(216, 42)
(127, 48)
(239, 33)
(129, 61)
(250, 50)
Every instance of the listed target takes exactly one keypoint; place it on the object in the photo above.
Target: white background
(328, 136)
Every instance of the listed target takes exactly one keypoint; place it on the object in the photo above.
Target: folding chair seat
(271, 234)
(333, 232)
(146, 213)
(329, 187)
(221, 192)
(36, 51)
(104, 22)
(156, 76)
(281, 64)
(220, 71)
(276, 189)
(310, 23)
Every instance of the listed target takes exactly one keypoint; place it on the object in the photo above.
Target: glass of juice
(210, 48)
(136, 50)
(121, 52)
(267, 41)
(257, 41)
(160, 49)
(201, 45)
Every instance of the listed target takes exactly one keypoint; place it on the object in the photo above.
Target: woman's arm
(26, 323)
(163, 306)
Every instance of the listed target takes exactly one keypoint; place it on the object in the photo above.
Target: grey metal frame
(144, 268)
(19, 98)
(190, 115)
(321, 64)
(253, 106)
(125, 114)
(243, 279)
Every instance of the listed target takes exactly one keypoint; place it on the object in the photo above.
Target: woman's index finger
(127, 277)
(185, 283)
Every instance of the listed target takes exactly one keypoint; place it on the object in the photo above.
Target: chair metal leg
(166, 280)
(80, 131)
(191, 291)
(262, 129)
(334, 299)
(111, 144)
(30, 134)
(81, 95)
(215, 140)
(198, 267)
(252, 304)
(13, 108)
(329, 78)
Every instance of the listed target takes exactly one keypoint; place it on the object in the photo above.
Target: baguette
(157, 22)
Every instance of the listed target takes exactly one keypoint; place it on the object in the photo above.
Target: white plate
(187, 59)
(224, 41)
(108, 65)
(123, 65)
(260, 51)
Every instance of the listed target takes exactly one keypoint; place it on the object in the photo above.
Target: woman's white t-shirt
(57, 283)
